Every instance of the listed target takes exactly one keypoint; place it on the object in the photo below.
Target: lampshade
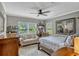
(76, 45)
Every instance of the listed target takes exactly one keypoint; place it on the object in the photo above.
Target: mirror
(67, 26)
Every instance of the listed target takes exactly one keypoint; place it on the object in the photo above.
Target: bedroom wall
(76, 15)
(1, 16)
(12, 20)
(2, 10)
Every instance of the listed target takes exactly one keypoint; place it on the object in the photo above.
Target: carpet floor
(31, 50)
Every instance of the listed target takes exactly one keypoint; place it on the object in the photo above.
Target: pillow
(69, 40)
(66, 38)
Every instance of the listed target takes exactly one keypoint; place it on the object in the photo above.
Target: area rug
(31, 50)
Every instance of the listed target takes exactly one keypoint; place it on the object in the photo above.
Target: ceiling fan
(40, 12)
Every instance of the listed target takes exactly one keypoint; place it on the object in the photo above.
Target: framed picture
(67, 26)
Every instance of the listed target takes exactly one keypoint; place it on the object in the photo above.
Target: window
(25, 27)
(32, 28)
(49, 28)
(22, 27)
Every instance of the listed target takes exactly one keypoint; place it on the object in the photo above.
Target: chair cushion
(29, 39)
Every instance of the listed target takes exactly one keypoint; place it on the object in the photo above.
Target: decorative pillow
(66, 38)
(69, 40)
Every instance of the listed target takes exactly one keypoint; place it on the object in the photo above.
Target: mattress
(52, 42)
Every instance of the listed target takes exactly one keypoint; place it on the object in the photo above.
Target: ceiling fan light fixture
(40, 12)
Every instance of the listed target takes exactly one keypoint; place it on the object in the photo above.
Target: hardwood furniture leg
(38, 46)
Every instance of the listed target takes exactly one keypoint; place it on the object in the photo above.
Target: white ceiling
(25, 9)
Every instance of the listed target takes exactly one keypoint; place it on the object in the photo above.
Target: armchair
(28, 40)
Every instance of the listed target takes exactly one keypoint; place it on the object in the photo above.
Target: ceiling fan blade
(46, 12)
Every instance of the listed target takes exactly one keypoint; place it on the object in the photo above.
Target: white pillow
(68, 40)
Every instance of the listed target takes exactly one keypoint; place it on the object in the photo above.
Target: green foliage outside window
(24, 27)
(32, 28)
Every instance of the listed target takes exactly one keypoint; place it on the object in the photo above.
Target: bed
(52, 43)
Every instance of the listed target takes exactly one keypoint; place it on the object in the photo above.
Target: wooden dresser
(9, 46)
